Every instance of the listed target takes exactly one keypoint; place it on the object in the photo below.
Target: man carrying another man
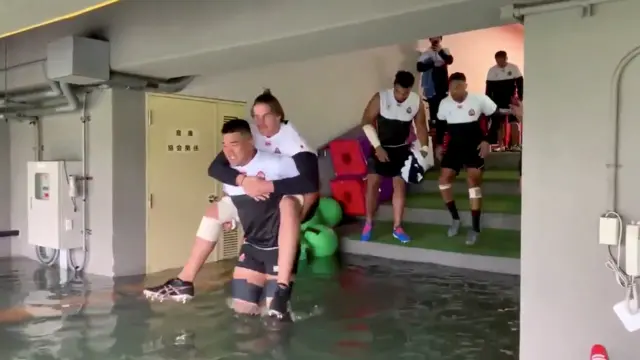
(298, 198)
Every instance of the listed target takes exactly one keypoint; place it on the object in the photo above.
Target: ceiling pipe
(54, 91)
(72, 105)
(148, 84)
(520, 11)
(117, 80)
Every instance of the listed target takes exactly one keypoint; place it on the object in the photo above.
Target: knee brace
(475, 193)
(243, 290)
(444, 187)
(209, 229)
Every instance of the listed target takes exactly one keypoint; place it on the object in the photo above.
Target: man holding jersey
(466, 148)
(387, 122)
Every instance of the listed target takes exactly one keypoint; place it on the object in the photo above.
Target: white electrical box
(54, 207)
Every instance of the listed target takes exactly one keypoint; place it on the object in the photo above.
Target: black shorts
(457, 158)
(392, 168)
(264, 261)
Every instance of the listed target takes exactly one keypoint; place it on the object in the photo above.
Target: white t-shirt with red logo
(470, 110)
(266, 165)
(286, 142)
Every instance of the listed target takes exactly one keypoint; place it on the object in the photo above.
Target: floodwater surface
(368, 308)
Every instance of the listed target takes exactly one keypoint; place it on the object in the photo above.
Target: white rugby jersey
(265, 165)
(509, 72)
(286, 142)
(395, 119)
(467, 111)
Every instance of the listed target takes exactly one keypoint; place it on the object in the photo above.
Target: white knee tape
(444, 186)
(475, 193)
(209, 229)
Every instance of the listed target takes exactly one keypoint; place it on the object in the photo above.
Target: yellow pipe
(61, 18)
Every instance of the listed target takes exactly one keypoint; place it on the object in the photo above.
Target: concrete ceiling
(178, 37)
(19, 15)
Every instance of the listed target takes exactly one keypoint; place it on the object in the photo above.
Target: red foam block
(347, 157)
(350, 194)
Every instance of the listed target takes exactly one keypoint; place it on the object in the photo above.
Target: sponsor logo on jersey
(471, 112)
(409, 110)
(277, 151)
(260, 175)
(268, 143)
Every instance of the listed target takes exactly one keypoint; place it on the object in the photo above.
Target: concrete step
(492, 242)
(503, 160)
(460, 187)
(495, 182)
(442, 217)
(499, 211)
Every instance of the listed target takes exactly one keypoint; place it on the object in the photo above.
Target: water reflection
(371, 309)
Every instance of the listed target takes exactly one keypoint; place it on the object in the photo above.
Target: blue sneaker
(399, 234)
(366, 232)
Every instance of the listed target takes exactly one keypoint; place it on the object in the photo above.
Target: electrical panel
(54, 206)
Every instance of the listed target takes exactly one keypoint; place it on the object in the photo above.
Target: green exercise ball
(324, 266)
(330, 211)
(322, 240)
(316, 219)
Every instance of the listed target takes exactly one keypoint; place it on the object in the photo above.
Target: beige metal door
(183, 137)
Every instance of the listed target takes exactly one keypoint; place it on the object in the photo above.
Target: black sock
(451, 205)
(475, 220)
(185, 282)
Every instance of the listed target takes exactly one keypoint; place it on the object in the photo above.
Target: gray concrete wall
(61, 140)
(129, 182)
(568, 294)
(116, 157)
(5, 189)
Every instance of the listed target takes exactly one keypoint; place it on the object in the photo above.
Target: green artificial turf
(489, 175)
(492, 242)
(498, 203)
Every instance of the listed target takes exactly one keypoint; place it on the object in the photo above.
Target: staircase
(427, 220)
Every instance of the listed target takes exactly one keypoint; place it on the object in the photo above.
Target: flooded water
(367, 309)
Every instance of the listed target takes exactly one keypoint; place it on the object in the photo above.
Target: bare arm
(372, 110)
(369, 117)
(420, 121)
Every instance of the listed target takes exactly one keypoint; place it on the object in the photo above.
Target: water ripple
(370, 309)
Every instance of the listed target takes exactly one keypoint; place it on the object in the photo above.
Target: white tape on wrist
(372, 135)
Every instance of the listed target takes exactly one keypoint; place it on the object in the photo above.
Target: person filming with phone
(433, 64)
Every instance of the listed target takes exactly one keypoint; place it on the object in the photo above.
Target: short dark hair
(457, 76)
(404, 79)
(236, 126)
(501, 54)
